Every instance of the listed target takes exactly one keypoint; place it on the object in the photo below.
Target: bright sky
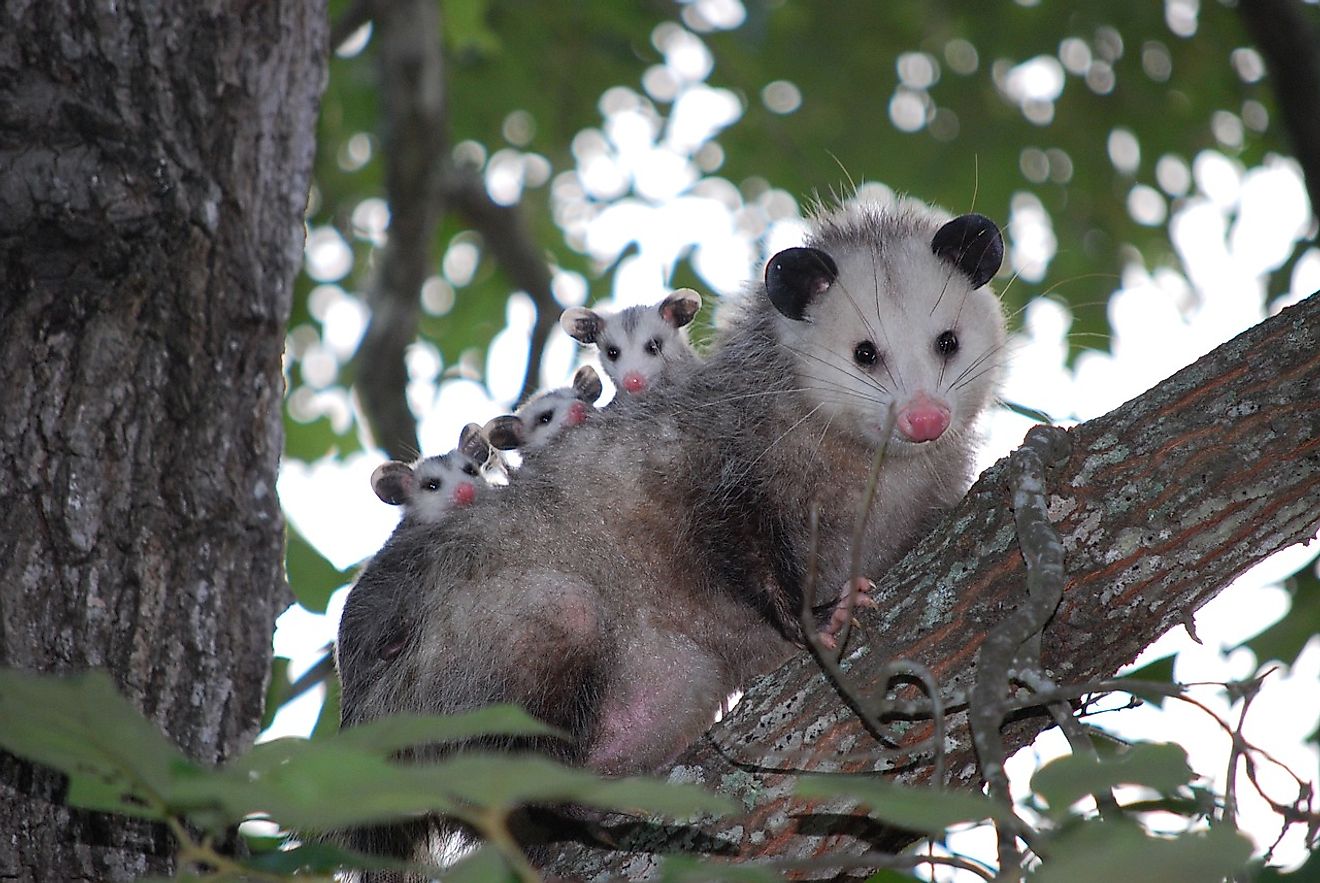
(646, 177)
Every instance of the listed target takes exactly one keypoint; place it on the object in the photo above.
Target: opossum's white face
(443, 483)
(546, 416)
(431, 487)
(889, 318)
(640, 345)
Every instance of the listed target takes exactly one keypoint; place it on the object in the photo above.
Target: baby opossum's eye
(865, 354)
(653, 346)
(611, 352)
(431, 485)
(469, 469)
(947, 344)
(545, 417)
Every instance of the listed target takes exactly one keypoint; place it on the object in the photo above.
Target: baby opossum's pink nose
(923, 419)
(577, 412)
(634, 382)
(465, 493)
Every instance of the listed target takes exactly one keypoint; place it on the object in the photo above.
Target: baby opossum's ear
(505, 433)
(973, 244)
(582, 324)
(586, 384)
(472, 442)
(681, 307)
(795, 276)
(393, 482)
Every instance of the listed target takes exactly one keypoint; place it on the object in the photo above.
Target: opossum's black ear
(586, 384)
(795, 276)
(505, 433)
(393, 482)
(581, 324)
(973, 244)
(681, 307)
(472, 442)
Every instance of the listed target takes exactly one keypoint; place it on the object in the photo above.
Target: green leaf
(1159, 671)
(319, 858)
(327, 722)
(491, 780)
(277, 691)
(116, 760)
(392, 734)
(916, 809)
(312, 786)
(889, 876)
(486, 865)
(1065, 780)
(1285, 639)
(465, 27)
(1102, 852)
(312, 578)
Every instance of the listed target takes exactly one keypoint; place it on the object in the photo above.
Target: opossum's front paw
(855, 593)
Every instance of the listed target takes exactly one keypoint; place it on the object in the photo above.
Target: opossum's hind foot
(855, 593)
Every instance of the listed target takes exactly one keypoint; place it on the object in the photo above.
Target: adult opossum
(625, 586)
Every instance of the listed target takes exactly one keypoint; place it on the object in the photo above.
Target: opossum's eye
(612, 352)
(653, 346)
(865, 354)
(947, 344)
(432, 484)
(545, 417)
(469, 469)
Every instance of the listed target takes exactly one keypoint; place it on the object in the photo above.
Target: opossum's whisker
(850, 372)
(976, 363)
(884, 363)
(861, 314)
(977, 376)
(945, 288)
(784, 435)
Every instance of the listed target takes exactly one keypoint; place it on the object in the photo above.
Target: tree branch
(1160, 504)
(1286, 34)
(508, 239)
(412, 87)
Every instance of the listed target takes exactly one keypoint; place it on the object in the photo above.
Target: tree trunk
(1161, 503)
(154, 163)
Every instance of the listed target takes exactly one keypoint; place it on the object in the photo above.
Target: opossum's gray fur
(654, 561)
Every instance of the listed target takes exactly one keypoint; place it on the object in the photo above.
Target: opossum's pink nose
(923, 419)
(577, 412)
(634, 382)
(465, 493)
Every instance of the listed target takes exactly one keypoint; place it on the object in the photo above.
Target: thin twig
(859, 532)
(1042, 551)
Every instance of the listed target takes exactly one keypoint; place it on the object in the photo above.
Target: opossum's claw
(855, 593)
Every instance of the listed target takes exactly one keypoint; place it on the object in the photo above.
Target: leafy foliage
(118, 762)
(916, 809)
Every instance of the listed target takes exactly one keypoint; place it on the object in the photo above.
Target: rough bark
(1161, 503)
(154, 163)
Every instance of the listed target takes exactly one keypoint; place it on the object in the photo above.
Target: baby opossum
(433, 485)
(542, 418)
(621, 589)
(639, 346)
